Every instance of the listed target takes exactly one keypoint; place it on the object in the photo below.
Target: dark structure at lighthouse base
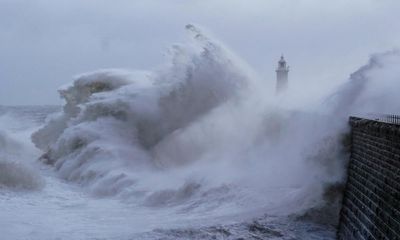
(371, 203)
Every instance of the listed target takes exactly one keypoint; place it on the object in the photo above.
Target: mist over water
(196, 149)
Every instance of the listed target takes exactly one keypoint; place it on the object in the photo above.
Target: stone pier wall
(371, 203)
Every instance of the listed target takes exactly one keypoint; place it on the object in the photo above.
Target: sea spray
(137, 116)
(202, 135)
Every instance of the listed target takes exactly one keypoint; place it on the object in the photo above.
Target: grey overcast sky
(44, 43)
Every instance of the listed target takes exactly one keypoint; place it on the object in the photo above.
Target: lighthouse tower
(282, 76)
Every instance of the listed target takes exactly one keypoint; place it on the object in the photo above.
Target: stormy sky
(44, 43)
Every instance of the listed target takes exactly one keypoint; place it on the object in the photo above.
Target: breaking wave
(15, 174)
(204, 133)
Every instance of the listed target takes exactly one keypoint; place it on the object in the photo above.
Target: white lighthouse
(282, 75)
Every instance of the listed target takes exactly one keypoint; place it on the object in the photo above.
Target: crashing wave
(197, 132)
(114, 121)
(15, 174)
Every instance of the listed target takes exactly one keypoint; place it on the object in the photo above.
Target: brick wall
(371, 203)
